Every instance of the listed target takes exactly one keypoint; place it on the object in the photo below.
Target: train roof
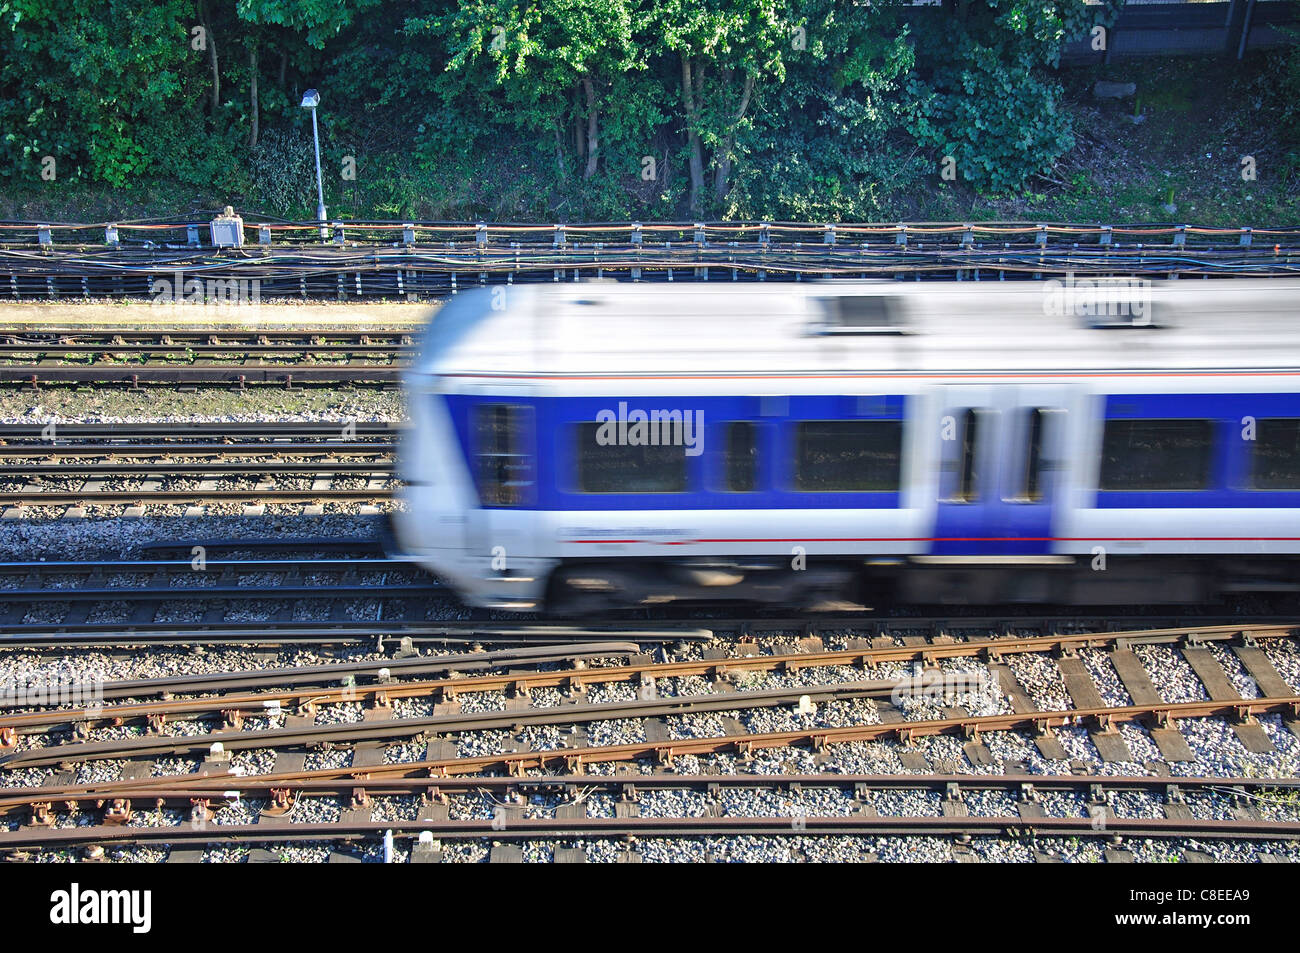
(613, 329)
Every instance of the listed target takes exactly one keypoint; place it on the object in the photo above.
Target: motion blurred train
(589, 446)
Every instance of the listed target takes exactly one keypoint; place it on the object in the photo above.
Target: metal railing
(189, 233)
(169, 260)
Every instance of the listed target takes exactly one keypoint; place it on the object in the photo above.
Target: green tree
(827, 144)
(91, 84)
(313, 22)
(725, 49)
(554, 59)
(316, 21)
(983, 92)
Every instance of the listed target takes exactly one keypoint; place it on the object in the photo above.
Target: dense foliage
(803, 109)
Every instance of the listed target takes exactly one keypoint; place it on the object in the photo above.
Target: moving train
(600, 445)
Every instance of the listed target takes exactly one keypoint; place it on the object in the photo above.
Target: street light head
(310, 99)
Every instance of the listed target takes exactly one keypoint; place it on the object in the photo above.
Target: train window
(624, 468)
(1033, 488)
(1118, 312)
(969, 486)
(740, 457)
(969, 489)
(1171, 454)
(848, 455)
(1275, 463)
(502, 434)
(961, 472)
(862, 314)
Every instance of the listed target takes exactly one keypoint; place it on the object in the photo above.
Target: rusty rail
(631, 828)
(119, 803)
(577, 680)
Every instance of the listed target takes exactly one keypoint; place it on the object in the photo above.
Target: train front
(455, 518)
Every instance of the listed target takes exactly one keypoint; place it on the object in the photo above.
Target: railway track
(16, 438)
(345, 592)
(193, 464)
(320, 749)
(886, 683)
(170, 580)
(233, 709)
(566, 821)
(118, 355)
(445, 751)
(385, 636)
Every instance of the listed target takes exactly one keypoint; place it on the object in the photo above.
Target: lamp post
(310, 100)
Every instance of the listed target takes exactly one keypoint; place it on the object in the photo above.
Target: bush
(1001, 126)
(283, 173)
(983, 93)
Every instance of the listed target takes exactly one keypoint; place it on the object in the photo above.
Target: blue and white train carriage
(604, 444)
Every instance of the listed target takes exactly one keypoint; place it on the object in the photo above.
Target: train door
(1000, 474)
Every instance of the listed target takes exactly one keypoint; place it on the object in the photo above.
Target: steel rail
(169, 468)
(123, 352)
(971, 726)
(572, 760)
(198, 341)
(577, 681)
(352, 732)
(202, 357)
(819, 738)
(217, 579)
(117, 635)
(192, 430)
(218, 467)
(320, 675)
(231, 374)
(118, 801)
(309, 544)
(182, 790)
(186, 568)
(220, 578)
(111, 336)
(384, 693)
(936, 630)
(251, 496)
(132, 450)
(631, 828)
